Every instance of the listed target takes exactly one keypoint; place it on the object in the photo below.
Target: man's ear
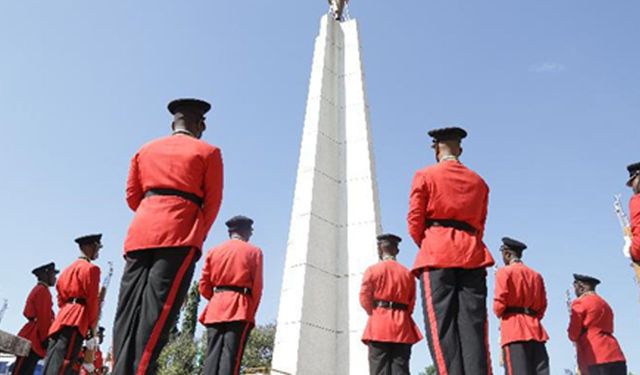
(460, 151)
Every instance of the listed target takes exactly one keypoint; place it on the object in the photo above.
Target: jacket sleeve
(93, 296)
(44, 313)
(366, 292)
(213, 186)
(485, 212)
(634, 212)
(134, 187)
(412, 296)
(416, 219)
(575, 323)
(256, 289)
(501, 294)
(542, 308)
(204, 286)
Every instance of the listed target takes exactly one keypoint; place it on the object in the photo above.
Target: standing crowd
(175, 187)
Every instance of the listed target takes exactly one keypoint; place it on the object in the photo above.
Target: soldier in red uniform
(175, 189)
(232, 282)
(78, 294)
(520, 303)
(591, 328)
(388, 295)
(39, 313)
(447, 215)
(632, 245)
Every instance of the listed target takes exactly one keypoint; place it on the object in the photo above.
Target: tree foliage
(259, 349)
(429, 370)
(185, 354)
(182, 355)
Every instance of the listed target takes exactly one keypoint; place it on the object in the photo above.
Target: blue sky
(548, 90)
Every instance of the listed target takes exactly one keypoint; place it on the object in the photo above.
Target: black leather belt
(178, 193)
(77, 300)
(231, 288)
(390, 305)
(461, 225)
(520, 310)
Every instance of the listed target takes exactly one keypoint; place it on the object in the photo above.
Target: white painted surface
(334, 220)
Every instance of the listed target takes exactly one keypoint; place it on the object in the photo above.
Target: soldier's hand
(626, 250)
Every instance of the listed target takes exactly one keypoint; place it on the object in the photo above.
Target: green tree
(182, 355)
(429, 370)
(259, 349)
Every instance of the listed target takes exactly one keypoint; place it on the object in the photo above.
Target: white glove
(89, 367)
(92, 343)
(626, 250)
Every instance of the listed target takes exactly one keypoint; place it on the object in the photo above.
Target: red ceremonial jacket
(591, 328)
(80, 280)
(38, 310)
(232, 263)
(519, 286)
(179, 162)
(448, 191)
(634, 212)
(389, 281)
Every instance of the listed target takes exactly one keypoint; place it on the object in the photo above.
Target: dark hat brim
(89, 239)
(239, 222)
(447, 134)
(586, 279)
(389, 237)
(189, 104)
(513, 244)
(45, 268)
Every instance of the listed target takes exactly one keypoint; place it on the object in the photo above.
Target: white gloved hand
(92, 343)
(626, 250)
(89, 367)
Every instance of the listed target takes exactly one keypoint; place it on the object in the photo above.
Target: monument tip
(337, 8)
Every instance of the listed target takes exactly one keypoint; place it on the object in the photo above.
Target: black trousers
(225, 347)
(388, 358)
(63, 352)
(153, 287)
(26, 365)
(454, 302)
(526, 358)
(612, 368)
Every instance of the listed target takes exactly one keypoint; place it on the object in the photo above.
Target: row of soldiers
(174, 188)
(446, 219)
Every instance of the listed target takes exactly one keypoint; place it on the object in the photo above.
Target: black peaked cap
(89, 239)
(192, 105)
(634, 170)
(447, 134)
(239, 222)
(586, 279)
(389, 237)
(45, 268)
(514, 244)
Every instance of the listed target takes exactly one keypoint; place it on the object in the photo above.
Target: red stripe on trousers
(486, 346)
(433, 323)
(236, 371)
(507, 355)
(19, 362)
(166, 309)
(67, 358)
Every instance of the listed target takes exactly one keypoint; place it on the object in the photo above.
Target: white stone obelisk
(335, 218)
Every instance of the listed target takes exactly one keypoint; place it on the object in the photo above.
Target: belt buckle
(391, 305)
(245, 290)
